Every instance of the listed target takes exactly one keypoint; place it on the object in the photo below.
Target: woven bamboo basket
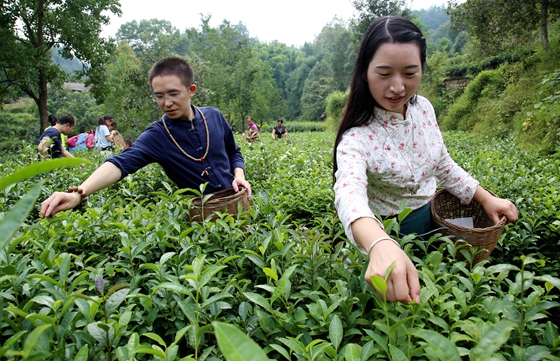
(484, 235)
(224, 200)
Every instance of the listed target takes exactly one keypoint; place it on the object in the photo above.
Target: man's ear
(192, 88)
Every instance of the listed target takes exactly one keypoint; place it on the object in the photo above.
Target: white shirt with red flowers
(379, 159)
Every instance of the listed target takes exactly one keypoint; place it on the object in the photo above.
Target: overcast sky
(292, 22)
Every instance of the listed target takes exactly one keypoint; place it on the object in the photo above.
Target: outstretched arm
(103, 177)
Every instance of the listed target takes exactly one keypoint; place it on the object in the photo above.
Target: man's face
(68, 129)
(173, 97)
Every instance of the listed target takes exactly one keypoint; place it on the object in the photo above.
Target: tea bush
(129, 278)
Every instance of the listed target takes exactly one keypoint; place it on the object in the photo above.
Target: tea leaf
(155, 337)
(17, 215)
(441, 346)
(379, 284)
(116, 299)
(352, 352)
(336, 332)
(235, 345)
(82, 355)
(38, 168)
(397, 354)
(259, 300)
(492, 340)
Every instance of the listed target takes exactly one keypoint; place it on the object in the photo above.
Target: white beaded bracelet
(379, 240)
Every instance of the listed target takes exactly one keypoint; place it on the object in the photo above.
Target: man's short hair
(173, 66)
(66, 119)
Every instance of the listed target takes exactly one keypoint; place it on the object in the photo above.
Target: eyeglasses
(159, 97)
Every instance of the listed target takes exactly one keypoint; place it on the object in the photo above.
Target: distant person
(103, 137)
(50, 142)
(118, 140)
(234, 129)
(52, 121)
(127, 143)
(252, 133)
(279, 131)
(193, 145)
(77, 142)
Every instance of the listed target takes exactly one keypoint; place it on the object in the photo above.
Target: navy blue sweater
(155, 146)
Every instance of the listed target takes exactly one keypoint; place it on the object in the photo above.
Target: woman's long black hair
(359, 108)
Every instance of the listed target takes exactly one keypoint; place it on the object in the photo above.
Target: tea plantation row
(129, 278)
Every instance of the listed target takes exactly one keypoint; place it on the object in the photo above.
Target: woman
(252, 130)
(279, 131)
(103, 137)
(389, 148)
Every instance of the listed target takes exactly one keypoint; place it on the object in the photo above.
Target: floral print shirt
(377, 160)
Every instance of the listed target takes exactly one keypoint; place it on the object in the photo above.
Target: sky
(294, 22)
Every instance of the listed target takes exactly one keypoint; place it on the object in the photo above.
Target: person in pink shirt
(389, 148)
(252, 130)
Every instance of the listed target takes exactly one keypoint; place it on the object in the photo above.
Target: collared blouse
(379, 160)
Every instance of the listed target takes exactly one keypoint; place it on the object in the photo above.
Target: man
(193, 145)
(50, 142)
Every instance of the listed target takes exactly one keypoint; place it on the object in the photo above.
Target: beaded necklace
(201, 159)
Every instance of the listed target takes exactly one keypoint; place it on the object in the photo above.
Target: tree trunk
(544, 23)
(43, 90)
(42, 102)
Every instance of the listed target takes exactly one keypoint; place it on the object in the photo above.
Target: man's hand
(59, 201)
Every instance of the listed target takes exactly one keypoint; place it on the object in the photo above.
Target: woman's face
(394, 74)
(249, 121)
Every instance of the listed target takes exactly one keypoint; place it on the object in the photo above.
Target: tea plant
(130, 278)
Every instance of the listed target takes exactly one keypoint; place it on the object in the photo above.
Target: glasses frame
(172, 96)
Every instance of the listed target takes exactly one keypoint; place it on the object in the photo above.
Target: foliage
(30, 30)
(433, 17)
(503, 24)
(473, 68)
(369, 10)
(336, 103)
(17, 127)
(546, 115)
(316, 89)
(128, 278)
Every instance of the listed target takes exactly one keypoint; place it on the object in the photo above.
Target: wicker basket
(485, 233)
(224, 200)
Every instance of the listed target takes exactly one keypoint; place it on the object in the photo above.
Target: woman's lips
(394, 101)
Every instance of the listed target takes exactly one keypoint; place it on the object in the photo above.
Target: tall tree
(148, 35)
(318, 86)
(29, 29)
(369, 10)
(499, 24)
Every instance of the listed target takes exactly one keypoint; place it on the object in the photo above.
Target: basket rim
(217, 200)
(442, 221)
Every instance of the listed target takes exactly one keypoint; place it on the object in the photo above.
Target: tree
(318, 86)
(499, 24)
(369, 10)
(30, 29)
(147, 35)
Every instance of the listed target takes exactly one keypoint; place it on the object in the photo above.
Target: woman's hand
(496, 207)
(403, 284)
